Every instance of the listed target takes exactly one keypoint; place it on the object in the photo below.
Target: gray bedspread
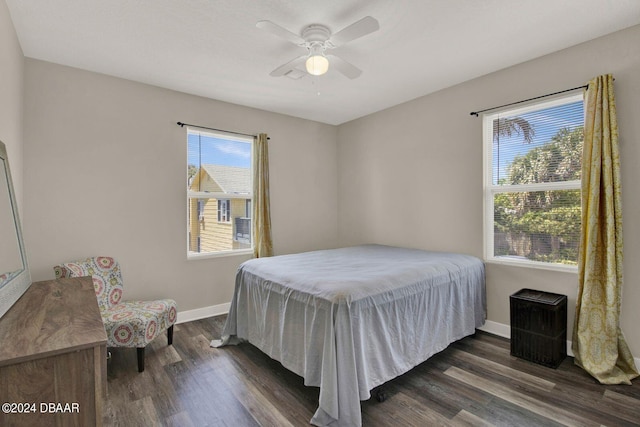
(350, 319)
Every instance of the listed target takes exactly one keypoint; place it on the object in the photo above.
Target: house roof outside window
(221, 178)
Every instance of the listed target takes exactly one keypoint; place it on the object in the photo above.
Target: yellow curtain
(598, 343)
(262, 243)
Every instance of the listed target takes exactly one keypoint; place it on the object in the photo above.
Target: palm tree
(507, 127)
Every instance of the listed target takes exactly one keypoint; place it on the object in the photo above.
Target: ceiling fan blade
(356, 30)
(346, 68)
(280, 32)
(285, 68)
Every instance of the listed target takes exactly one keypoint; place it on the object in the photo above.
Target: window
(201, 209)
(224, 210)
(219, 190)
(243, 225)
(532, 172)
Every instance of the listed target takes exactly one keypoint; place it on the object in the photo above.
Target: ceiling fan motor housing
(316, 34)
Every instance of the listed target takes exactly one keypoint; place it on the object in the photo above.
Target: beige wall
(11, 99)
(101, 153)
(412, 175)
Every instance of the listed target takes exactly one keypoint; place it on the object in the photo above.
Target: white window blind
(532, 183)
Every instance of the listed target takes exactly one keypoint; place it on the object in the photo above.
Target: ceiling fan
(318, 39)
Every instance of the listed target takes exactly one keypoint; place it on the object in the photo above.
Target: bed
(348, 320)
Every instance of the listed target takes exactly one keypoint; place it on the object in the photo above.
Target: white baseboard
(202, 313)
(504, 331)
(495, 328)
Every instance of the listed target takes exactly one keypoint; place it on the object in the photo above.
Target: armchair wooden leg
(170, 335)
(140, 358)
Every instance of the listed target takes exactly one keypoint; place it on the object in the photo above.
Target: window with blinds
(219, 190)
(532, 171)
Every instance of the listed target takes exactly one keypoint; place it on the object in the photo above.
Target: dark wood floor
(474, 382)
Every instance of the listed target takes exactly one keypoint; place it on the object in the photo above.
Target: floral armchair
(127, 323)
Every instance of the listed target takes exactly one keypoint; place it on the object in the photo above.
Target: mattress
(348, 320)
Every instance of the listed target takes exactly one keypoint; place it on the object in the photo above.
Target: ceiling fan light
(317, 65)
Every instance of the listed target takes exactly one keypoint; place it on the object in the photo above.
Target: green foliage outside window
(542, 225)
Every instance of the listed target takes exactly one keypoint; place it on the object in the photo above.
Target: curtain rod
(476, 113)
(219, 130)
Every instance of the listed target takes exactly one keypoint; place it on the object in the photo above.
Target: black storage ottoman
(539, 327)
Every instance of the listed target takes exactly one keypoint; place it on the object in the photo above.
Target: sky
(218, 151)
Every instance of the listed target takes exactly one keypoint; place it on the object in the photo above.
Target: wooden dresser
(53, 351)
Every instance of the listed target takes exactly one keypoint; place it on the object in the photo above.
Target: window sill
(532, 264)
(207, 255)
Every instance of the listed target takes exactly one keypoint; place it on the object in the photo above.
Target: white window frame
(224, 210)
(490, 190)
(218, 196)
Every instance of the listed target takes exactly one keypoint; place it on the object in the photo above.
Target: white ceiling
(212, 48)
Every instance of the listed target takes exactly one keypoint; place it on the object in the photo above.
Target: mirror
(14, 274)
(10, 259)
